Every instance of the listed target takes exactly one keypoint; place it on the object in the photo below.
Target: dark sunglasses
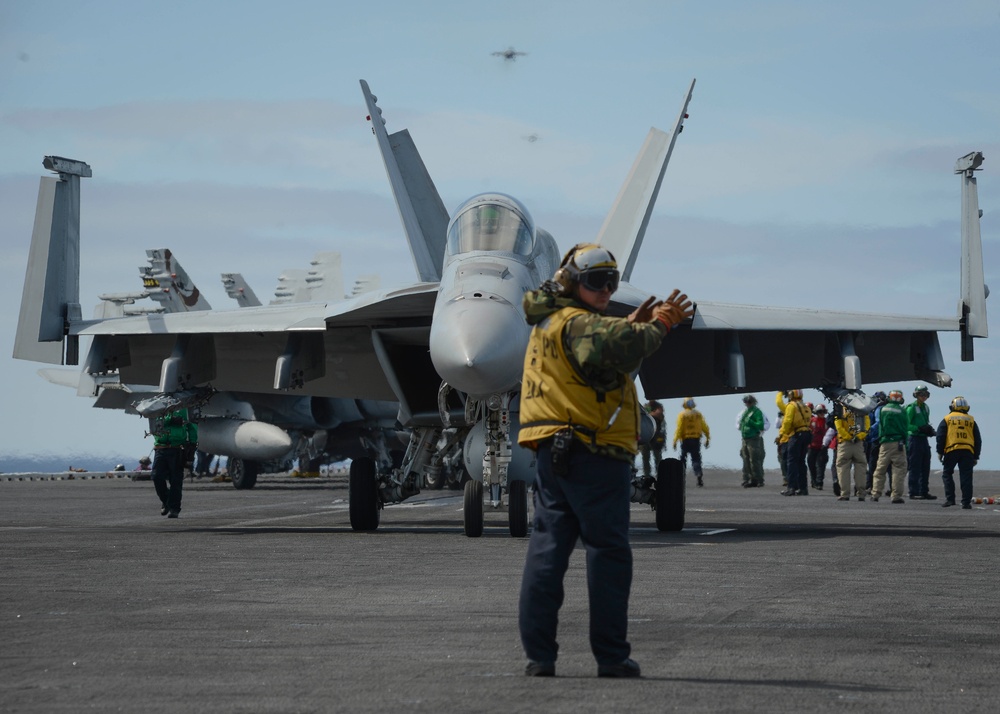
(598, 280)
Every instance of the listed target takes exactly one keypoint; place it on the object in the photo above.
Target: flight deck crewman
(918, 450)
(580, 413)
(655, 446)
(892, 430)
(796, 435)
(690, 426)
(852, 428)
(171, 434)
(958, 444)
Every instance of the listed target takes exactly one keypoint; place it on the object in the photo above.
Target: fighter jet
(448, 349)
(509, 54)
(323, 281)
(260, 433)
(237, 288)
(169, 284)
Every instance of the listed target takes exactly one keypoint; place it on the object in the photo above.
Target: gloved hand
(675, 446)
(674, 310)
(927, 430)
(941, 458)
(645, 312)
(706, 443)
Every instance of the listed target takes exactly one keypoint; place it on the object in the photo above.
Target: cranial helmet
(689, 403)
(590, 265)
(749, 399)
(960, 404)
(921, 389)
(795, 394)
(879, 397)
(821, 409)
(896, 396)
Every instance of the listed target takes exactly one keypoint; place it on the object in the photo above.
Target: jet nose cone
(477, 345)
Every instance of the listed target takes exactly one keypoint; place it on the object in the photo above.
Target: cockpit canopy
(491, 221)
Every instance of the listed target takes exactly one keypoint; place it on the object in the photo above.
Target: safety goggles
(598, 280)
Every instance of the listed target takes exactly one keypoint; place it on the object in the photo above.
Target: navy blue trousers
(692, 447)
(168, 476)
(795, 461)
(590, 504)
(918, 461)
(965, 460)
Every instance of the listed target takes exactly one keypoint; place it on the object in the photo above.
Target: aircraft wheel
(243, 473)
(517, 509)
(472, 513)
(670, 496)
(437, 483)
(363, 495)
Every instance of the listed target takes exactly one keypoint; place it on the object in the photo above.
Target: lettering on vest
(533, 389)
(550, 347)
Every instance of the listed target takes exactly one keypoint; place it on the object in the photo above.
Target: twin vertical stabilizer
(51, 296)
(425, 219)
(625, 226)
(974, 290)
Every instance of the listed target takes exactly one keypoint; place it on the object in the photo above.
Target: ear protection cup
(565, 280)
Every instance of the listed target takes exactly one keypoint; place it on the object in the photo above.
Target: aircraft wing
(744, 348)
(317, 349)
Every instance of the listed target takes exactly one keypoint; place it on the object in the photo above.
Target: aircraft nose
(478, 343)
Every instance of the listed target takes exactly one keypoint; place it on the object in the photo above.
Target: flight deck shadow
(757, 532)
(426, 528)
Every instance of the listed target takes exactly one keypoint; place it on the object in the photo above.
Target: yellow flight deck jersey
(796, 419)
(555, 395)
(961, 432)
(690, 425)
(850, 429)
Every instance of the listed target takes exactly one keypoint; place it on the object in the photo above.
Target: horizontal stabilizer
(625, 225)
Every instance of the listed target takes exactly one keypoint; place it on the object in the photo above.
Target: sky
(815, 170)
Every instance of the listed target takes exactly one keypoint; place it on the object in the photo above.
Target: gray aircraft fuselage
(494, 256)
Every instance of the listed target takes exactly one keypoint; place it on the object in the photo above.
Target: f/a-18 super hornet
(449, 349)
(509, 54)
(258, 432)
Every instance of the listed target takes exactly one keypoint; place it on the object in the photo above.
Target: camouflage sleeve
(603, 343)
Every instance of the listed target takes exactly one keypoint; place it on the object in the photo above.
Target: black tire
(437, 483)
(363, 496)
(243, 473)
(517, 509)
(472, 512)
(671, 496)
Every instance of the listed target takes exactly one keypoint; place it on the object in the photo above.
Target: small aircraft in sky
(448, 350)
(509, 54)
